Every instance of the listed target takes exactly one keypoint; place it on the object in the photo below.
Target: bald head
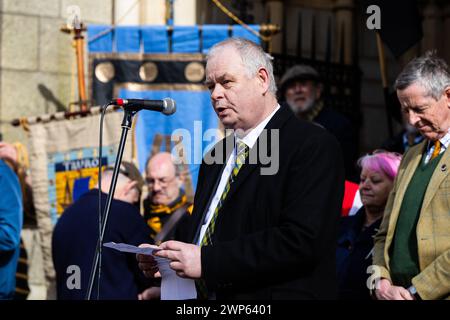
(162, 161)
(163, 179)
(125, 188)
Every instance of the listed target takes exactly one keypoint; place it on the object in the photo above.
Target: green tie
(242, 153)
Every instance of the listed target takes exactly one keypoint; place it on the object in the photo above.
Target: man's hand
(151, 293)
(148, 264)
(185, 258)
(8, 152)
(387, 291)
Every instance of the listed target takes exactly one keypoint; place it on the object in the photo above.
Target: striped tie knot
(242, 153)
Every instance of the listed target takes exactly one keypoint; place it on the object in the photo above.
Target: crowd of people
(251, 235)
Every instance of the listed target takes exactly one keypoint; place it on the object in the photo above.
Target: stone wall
(37, 60)
(38, 75)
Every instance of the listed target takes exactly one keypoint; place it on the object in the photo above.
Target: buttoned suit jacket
(275, 235)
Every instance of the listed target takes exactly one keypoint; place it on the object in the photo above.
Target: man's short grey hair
(253, 58)
(429, 71)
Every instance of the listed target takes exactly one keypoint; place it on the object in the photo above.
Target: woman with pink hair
(355, 238)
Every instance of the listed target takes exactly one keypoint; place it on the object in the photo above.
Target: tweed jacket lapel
(404, 179)
(439, 174)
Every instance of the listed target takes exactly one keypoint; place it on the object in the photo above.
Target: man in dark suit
(266, 210)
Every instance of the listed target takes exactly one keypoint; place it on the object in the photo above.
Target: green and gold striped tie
(242, 154)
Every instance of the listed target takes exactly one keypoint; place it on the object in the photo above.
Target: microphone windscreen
(169, 106)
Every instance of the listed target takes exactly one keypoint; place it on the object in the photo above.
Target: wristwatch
(413, 291)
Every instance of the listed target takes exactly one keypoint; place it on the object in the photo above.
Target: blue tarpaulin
(128, 39)
(211, 34)
(155, 39)
(103, 41)
(241, 32)
(185, 39)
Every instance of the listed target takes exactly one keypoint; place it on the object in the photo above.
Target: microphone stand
(126, 125)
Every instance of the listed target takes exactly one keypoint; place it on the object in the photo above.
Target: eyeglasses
(163, 182)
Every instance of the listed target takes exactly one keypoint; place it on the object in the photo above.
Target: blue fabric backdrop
(195, 114)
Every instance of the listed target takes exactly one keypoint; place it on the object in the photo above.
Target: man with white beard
(301, 89)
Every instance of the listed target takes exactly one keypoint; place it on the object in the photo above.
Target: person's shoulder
(418, 148)
(124, 208)
(303, 131)
(334, 114)
(6, 170)
(293, 123)
(349, 222)
(410, 154)
(333, 120)
(81, 208)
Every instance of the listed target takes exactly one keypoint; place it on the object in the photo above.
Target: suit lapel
(438, 176)
(213, 173)
(403, 185)
(277, 121)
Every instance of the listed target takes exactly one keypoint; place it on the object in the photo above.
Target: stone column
(432, 27)
(343, 10)
(446, 31)
(185, 12)
(153, 12)
(276, 13)
(126, 12)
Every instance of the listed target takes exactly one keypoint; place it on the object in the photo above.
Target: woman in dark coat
(355, 238)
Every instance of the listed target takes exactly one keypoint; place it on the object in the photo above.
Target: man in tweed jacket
(412, 247)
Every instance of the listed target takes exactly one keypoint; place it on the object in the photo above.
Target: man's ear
(447, 95)
(130, 192)
(129, 186)
(263, 77)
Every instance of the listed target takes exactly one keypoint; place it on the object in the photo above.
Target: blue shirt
(10, 226)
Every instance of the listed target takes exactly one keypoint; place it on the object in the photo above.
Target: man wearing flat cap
(76, 233)
(301, 89)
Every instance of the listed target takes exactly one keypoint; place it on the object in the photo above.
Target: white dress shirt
(249, 140)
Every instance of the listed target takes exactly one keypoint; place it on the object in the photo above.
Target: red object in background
(351, 199)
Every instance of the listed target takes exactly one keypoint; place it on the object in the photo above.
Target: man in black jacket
(75, 239)
(266, 208)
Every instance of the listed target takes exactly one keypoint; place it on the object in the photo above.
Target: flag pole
(382, 61)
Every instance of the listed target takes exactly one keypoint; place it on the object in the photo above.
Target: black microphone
(167, 106)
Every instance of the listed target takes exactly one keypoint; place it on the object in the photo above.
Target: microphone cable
(98, 249)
